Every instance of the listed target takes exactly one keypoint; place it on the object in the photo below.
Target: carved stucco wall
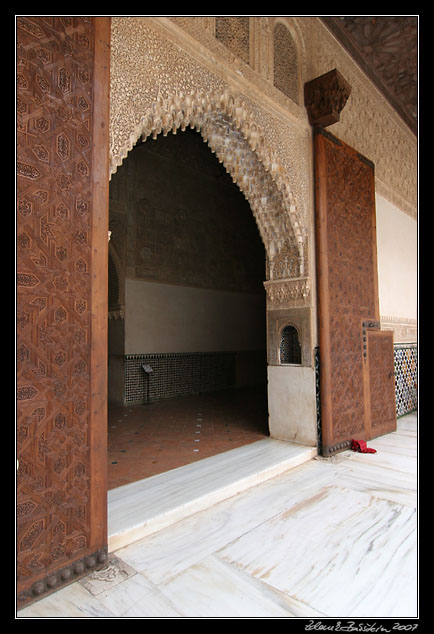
(151, 57)
(158, 87)
(368, 123)
(169, 73)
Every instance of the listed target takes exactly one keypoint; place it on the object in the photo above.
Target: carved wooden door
(380, 383)
(348, 298)
(62, 224)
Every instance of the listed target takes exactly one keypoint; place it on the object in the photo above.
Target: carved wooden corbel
(325, 98)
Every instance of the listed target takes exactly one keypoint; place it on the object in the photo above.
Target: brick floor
(147, 439)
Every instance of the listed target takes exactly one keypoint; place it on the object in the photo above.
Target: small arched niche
(290, 346)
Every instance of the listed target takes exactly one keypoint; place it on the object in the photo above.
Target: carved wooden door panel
(347, 291)
(381, 402)
(62, 224)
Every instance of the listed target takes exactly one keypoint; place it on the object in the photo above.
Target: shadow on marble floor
(331, 538)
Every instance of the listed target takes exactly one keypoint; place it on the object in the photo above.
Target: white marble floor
(331, 538)
(140, 508)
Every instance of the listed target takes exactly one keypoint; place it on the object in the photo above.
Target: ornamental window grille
(285, 62)
(290, 348)
(234, 33)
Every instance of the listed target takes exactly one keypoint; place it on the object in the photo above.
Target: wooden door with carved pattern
(62, 223)
(380, 383)
(357, 388)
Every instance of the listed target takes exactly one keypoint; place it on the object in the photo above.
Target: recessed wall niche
(289, 337)
(290, 348)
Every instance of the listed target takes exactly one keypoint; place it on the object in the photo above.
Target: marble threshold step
(141, 508)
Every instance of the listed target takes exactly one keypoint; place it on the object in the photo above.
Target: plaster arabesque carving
(227, 124)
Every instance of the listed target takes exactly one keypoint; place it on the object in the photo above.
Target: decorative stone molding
(288, 293)
(325, 98)
(404, 329)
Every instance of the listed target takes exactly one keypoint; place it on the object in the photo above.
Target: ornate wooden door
(380, 383)
(354, 370)
(62, 224)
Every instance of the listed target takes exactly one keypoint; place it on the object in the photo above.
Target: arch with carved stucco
(227, 127)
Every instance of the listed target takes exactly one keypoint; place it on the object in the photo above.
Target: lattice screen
(234, 32)
(285, 62)
(405, 356)
(290, 349)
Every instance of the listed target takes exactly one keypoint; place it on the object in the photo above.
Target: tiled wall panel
(178, 374)
(405, 357)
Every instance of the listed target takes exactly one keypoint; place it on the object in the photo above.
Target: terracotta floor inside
(147, 439)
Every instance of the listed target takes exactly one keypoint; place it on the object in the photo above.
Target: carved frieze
(404, 329)
(288, 293)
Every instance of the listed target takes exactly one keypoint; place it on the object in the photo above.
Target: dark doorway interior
(186, 299)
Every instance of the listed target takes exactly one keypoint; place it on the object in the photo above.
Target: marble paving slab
(380, 482)
(113, 574)
(331, 552)
(166, 553)
(330, 538)
(212, 589)
(136, 597)
(73, 602)
(141, 508)
(408, 422)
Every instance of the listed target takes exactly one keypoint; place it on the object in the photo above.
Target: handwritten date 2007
(352, 626)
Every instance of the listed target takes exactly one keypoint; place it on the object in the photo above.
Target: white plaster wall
(397, 261)
(165, 318)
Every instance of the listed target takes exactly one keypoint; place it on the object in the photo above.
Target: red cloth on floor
(360, 445)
